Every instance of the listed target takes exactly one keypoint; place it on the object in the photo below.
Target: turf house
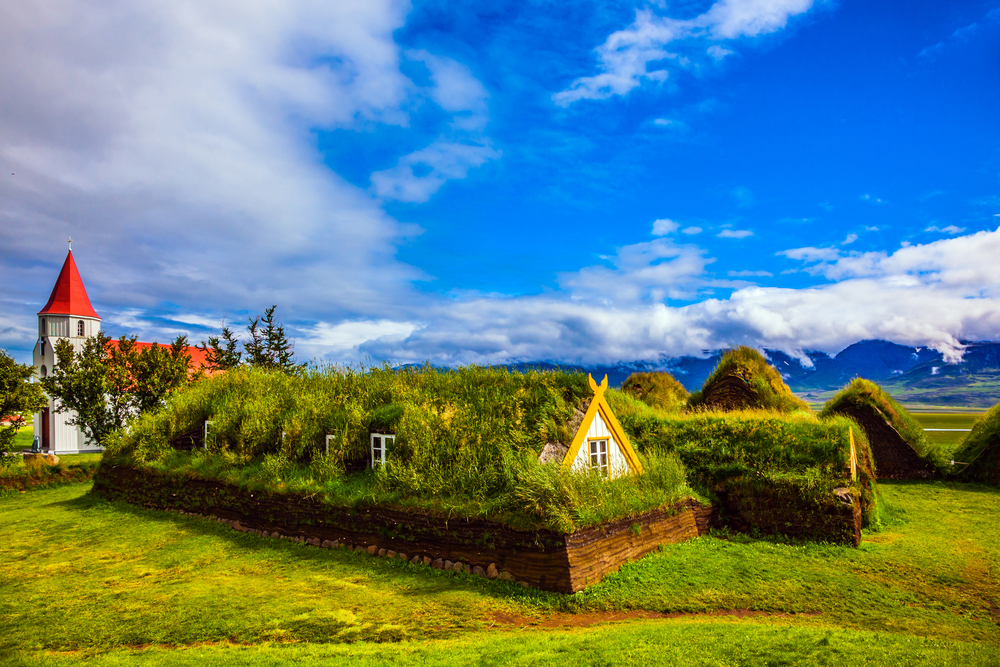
(544, 477)
(898, 443)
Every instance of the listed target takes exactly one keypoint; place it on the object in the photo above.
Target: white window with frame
(380, 443)
(599, 455)
(79, 328)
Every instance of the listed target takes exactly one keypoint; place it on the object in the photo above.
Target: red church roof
(69, 297)
(198, 355)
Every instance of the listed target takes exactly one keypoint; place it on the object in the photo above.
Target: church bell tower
(67, 315)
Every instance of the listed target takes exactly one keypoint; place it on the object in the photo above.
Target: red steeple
(69, 297)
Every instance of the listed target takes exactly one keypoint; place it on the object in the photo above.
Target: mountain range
(913, 375)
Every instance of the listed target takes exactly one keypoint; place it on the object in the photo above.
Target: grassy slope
(105, 577)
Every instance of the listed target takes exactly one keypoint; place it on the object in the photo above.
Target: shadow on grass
(424, 580)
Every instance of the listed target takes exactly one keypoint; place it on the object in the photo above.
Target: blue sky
(461, 182)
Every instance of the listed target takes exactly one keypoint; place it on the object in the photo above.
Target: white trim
(384, 439)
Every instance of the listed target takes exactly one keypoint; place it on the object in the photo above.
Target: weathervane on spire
(70, 242)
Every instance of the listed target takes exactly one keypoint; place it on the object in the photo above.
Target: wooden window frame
(383, 445)
(593, 451)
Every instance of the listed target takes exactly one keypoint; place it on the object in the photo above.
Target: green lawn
(123, 585)
(948, 440)
(24, 437)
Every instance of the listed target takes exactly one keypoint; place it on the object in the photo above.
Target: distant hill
(913, 375)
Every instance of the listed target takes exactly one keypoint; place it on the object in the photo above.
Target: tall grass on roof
(759, 448)
(981, 449)
(744, 379)
(865, 395)
(658, 390)
(467, 440)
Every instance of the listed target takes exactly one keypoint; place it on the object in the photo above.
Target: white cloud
(441, 161)
(851, 238)
(950, 229)
(811, 254)
(627, 55)
(871, 229)
(345, 336)
(175, 142)
(664, 226)
(749, 274)
(734, 233)
(691, 230)
(651, 271)
(871, 199)
(718, 52)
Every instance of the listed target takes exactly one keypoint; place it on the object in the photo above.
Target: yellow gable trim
(600, 404)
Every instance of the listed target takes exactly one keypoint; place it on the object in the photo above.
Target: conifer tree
(268, 346)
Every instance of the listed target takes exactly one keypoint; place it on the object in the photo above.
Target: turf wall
(544, 559)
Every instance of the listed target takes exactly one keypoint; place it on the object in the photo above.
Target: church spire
(69, 296)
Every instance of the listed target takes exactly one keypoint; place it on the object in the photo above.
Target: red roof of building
(198, 355)
(69, 297)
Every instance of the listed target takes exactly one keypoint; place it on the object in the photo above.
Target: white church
(67, 315)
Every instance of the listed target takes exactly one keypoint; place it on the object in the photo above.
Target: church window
(44, 372)
(79, 328)
(599, 456)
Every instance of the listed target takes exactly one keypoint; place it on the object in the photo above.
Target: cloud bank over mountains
(176, 142)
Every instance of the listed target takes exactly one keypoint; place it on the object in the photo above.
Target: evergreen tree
(18, 395)
(221, 352)
(268, 346)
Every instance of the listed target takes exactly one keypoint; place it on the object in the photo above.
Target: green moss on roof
(744, 379)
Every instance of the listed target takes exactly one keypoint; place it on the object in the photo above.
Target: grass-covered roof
(657, 389)
(981, 449)
(757, 447)
(744, 380)
(898, 442)
(467, 440)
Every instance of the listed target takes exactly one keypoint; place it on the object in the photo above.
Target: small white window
(79, 328)
(599, 456)
(380, 443)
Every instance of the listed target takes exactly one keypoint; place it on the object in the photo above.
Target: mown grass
(681, 643)
(25, 436)
(88, 577)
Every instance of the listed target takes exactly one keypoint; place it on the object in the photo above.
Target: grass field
(948, 440)
(24, 437)
(116, 585)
